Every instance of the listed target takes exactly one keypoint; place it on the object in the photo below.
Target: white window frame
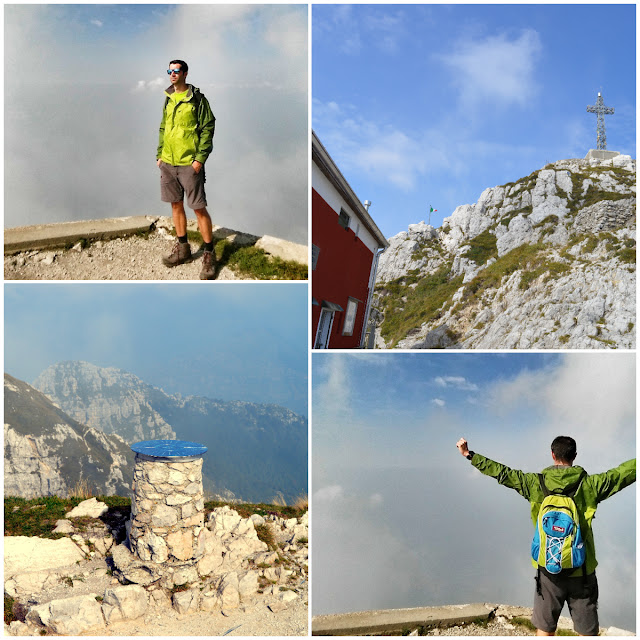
(350, 316)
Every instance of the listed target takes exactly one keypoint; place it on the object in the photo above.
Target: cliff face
(107, 399)
(255, 450)
(545, 262)
(46, 452)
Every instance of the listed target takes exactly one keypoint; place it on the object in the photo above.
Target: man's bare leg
(204, 224)
(539, 632)
(179, 218)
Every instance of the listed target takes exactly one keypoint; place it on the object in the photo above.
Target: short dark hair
(183, 65)
(564, 449)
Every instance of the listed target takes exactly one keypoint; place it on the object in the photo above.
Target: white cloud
(590, 397)
(439, 402)
(458, 382)
(497, 70)
(97, 23)
(329, 494)
(376, 500)
(150, 85)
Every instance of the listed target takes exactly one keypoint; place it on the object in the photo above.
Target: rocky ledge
(122, 249)
(87, 583)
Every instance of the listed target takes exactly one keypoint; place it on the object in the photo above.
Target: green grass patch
(524, 211)
(553, 269)
(523, 622)
(589, 245)
(423, 303)
(8, 609)
(482, 247)
(254, 262)
(626, 255)
(38, 516)
(526, 257)
(552, 219)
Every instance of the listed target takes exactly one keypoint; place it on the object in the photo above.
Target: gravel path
(133, 258)
(253, 619)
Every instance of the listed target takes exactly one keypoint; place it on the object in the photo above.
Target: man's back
(592, 490)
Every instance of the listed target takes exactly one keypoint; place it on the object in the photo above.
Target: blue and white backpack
(557, 544)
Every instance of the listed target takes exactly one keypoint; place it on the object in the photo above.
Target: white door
(324, 329)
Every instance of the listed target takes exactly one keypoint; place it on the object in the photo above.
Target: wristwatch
(470, 455)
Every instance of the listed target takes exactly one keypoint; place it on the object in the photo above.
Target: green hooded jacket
(186, 130)
(594, 489)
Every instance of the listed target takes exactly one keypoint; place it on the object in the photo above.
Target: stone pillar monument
(167, 507)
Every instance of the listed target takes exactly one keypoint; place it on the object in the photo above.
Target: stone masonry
(167, 512)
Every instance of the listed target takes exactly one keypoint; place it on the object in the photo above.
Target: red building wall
(342, 271)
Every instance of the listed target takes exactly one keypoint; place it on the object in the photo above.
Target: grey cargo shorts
(580, 594)
(176, 181)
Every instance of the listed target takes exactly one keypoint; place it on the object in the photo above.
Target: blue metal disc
(169, 448)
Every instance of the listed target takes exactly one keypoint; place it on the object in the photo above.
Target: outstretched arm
(610, 482)
(526, 484)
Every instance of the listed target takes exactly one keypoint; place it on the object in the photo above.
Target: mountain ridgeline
(547, 261)
(255, 451)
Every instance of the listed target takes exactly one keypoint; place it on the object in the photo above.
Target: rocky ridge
(545, 262)
(71, 590)
(46, 452)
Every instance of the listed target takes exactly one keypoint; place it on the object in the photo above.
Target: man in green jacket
(185, 142)
(580, 588)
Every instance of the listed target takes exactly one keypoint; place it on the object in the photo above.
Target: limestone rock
(88, 508)
(125, 603)
(186, 601)
(38, 554)
(68, 616)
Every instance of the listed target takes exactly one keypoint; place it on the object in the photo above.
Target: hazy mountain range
(255, 451)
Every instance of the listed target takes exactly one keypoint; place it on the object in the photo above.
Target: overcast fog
(84, 87)
(401, 519)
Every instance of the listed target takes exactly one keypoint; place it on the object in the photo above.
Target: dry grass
(279, 500)
(301, 503)
(81, 490)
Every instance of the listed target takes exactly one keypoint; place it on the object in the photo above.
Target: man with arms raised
(564, 499)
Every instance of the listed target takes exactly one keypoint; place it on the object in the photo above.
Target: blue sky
(243, 342)
(428, 105)
(89, 152)
(402, 520)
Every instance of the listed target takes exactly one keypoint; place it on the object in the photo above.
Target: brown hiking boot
(180, 254)
(208, 271)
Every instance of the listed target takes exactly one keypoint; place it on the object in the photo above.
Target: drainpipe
(372, 283)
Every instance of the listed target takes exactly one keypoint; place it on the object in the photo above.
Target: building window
(315, 251)
(344, 219)
(350, 317)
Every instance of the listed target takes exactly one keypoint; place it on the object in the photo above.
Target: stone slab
(601, 154)
(395, 621)
(284, 249)
(36, 554)
(60, 234)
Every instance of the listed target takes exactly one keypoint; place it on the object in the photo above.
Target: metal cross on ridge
(601, 111)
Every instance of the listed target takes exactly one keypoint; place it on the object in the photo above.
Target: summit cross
(600, 109)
